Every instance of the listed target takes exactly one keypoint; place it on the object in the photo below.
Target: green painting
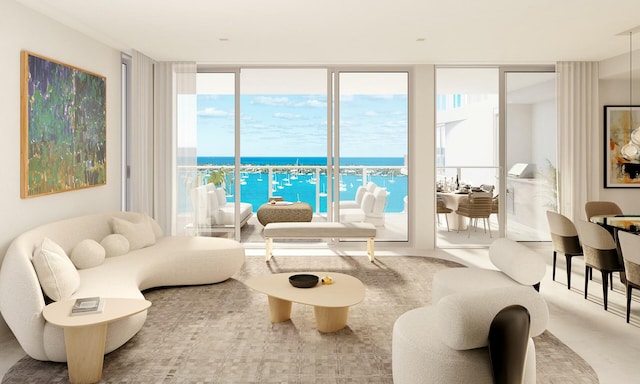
(63, 137)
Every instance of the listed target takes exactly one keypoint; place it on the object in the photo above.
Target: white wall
(616, 92)
(544, 123)
(23, 29)
(422, 190)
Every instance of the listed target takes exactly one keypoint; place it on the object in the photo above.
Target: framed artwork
(63, 127)
(622, 146)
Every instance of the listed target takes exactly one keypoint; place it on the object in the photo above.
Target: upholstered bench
(319, 230)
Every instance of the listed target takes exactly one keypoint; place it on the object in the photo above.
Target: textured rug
(221, 333)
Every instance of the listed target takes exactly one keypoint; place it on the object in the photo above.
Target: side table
(85, 335)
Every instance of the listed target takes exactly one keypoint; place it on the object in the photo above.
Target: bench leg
(371, 249)
(268, 248)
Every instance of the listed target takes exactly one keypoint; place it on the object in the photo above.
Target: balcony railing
(309, 183)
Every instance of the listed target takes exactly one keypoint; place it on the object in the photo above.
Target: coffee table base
(328, 319)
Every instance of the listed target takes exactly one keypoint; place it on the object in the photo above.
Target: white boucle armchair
(446, 342)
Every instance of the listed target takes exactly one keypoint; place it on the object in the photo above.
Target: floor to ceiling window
(530, 153)
(495, 131)
(273, 135)
(373, 128)
(467, 151)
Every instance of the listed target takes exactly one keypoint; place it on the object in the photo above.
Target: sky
(294, 125)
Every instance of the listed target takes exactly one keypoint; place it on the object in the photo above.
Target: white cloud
(287, 116)
(213, 112)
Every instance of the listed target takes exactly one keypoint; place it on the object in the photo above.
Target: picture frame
(621, 164)
(63, 127)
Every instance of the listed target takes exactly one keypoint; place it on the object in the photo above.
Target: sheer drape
(174, 144)
(141, 134)
(163, 140)
(578, 127)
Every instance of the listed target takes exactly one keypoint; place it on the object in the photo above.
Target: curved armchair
(477, 206)
(595, 208)
(565, 240)
(600, 252)
(630, 246)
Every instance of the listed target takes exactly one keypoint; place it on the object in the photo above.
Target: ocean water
(303, 185)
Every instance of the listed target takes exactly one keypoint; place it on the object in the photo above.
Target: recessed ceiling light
(420, 39)
(223, 39)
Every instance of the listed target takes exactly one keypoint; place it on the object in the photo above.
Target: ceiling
(355, 31)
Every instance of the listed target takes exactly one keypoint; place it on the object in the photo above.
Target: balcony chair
(487, 188)
(477, 206)
(600, 252)
(442, 209)
(595, 208)
(630, 247)
(565, 240)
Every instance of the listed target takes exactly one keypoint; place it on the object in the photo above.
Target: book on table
(87, 305)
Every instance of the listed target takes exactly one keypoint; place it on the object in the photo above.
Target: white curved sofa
(168, 261)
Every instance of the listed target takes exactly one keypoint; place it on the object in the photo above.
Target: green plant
(220, 178)
(550, 176)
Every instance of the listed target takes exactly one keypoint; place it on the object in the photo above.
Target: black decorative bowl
(303, 281)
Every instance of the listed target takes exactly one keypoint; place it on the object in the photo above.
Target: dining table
(629, 223)
(615, 223)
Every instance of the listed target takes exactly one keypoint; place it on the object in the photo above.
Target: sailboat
(294, 173)
(392, 180)
(323, 193)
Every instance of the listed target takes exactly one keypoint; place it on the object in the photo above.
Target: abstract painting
(63, 127)
(622, 146)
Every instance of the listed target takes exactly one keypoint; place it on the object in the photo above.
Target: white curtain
(578, 132)
(141, 135)
(174, 144)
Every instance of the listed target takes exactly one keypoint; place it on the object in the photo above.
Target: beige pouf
(282, 212)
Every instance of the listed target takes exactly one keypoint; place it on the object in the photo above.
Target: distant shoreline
(302, 161)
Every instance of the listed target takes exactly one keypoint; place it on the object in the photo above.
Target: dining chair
(565, 240)
(600, 252)
(630, 247)
(441, 208)
(595, 208)
(477, 206)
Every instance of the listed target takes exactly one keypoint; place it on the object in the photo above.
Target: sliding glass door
(306, 136)
(530, 153)
(495, 131)
(371, 147)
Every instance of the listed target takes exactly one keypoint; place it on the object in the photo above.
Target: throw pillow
(222, 196)
(58, 277)
(115, 245)
(139, 234)
(87, 254)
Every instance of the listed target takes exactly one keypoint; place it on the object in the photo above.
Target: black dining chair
(630, 247)
(601, 253)
(596, 208)
(565, 240)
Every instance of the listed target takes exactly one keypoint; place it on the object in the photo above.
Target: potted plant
(220, 178)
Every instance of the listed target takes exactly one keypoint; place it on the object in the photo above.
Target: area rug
(221, 333)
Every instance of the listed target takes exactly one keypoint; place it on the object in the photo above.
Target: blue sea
(305, 186)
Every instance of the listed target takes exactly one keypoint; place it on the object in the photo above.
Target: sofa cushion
(58, 277)
(115, 245)
(222, 197)
(88, 253)
(139, 234)
(463, 319)
(517, 261)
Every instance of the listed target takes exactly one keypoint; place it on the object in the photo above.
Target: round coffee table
(283, 211)
(330, 302)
